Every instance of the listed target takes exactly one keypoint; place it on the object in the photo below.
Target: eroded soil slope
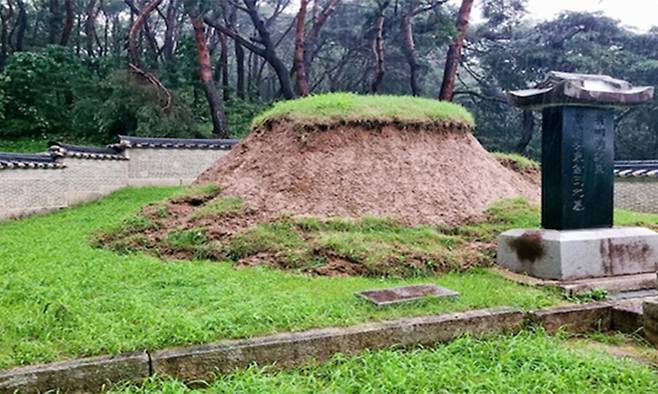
(416, 175)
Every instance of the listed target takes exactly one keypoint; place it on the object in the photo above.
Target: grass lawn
(328, 108)
(529, 362)
(61, 298)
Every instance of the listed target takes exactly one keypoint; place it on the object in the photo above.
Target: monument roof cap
(560, 88)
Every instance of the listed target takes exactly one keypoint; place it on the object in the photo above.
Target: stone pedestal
(578, 254)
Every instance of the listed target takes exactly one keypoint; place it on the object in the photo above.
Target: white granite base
(577, 254)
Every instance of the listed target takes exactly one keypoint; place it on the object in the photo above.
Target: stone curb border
(203, 362)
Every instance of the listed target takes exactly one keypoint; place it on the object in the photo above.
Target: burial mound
(419, 165)
(338, 184)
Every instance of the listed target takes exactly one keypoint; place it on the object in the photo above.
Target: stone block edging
(287, 350)
(576, 319)
(203, 362)
(82, 375)
(651, 321)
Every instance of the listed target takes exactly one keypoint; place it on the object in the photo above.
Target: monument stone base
(579, 254)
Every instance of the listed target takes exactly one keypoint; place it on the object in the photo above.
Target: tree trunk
(455, 51)
(135, 29)
(54, 19)
(311, 47)
(300, 67)
(223, 61)
(78, 44)
(4, 34)
(21, 25)
(528, 127)
(378, 51)
(239, 57)
(409, 48)
(170, 24)
(90, 27)
(205, 71)
(68, 24)
(269, 53)
(153, 49)
(106, 31)
(239, 69)
(117, 40)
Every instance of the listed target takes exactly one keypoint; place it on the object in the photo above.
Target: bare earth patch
(423, 174)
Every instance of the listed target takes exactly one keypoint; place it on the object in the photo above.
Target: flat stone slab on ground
(618, 287)
(396, 295)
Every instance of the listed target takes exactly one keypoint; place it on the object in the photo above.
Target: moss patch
(344, 107)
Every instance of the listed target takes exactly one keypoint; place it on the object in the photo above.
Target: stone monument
(577, 239)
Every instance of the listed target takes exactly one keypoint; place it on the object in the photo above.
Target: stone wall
(26, 191)
(638, 194)
(88, 180)
(80, 177)
(74, 177)
(168, 167)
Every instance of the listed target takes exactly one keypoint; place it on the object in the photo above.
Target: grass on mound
(62, 298)
(517, 162)
(529, 362)
(369, 246)
(332, 107)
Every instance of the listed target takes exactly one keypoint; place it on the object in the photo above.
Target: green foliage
(240, 114)
(53, 92)
(26, 145)
(39, 89)
(629, 218)
(102, 302)
(335, 107)
(597, 294)
(278, 238)
(501, 216)
(528, 362)
(131, 105)
(370, 246)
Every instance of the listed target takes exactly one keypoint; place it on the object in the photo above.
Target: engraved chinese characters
(577, 168)
(578, 145)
